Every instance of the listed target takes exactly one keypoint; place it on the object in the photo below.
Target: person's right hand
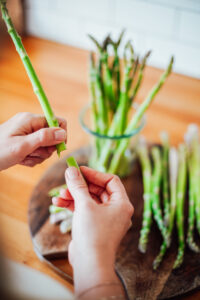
(98, 225)
(26, 139)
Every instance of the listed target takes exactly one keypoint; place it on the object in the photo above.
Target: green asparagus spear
(181, 189)
(192, 204)
(123, 106)
(37, 87)
(191, 138)
(155, 192)
(146, 175)
(165, 186)
(105, 75)
(140, 76)
(116, 64)
(173, 170)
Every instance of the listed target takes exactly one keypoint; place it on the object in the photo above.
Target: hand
(101, 218)
(26, 139)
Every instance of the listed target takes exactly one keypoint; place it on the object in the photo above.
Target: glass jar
(111, 154)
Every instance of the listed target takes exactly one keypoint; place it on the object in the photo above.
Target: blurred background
(54, 34)
(165, 26)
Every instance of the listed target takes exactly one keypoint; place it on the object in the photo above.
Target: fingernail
(60, 135)
(72, 173)
(63, 193)
(54, 200)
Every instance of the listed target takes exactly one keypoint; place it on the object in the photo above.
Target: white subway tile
(186, 56)
(37, 4)
(182, 4)
(96, 10)
(40, 23)
(67, 30)
(144, 16)
(190, 27)
(149, 25)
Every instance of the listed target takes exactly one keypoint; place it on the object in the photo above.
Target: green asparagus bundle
(114, 84)
(37, 87)
(169, 176)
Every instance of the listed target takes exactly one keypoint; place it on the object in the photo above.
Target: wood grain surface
(134, 268)
(63, 71)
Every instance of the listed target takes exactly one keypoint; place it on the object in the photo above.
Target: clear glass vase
(111, 154)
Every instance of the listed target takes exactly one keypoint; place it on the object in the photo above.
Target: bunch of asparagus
(114, 85)
(165, 179)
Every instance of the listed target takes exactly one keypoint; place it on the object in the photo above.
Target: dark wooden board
(135, 268)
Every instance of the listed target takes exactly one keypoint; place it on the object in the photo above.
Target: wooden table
(63, 71)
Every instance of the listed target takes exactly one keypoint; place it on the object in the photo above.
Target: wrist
(91, 270)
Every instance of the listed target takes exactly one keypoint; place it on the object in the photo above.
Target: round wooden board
(134, 268)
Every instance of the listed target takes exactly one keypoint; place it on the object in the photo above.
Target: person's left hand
(26, 139)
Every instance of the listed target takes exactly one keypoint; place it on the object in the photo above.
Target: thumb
(45, 137)
(77, 186)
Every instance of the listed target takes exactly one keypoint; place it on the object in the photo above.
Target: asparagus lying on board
(191, 139)
(37, 87)
(173, 170)
(155, 193)
(165, 186)
(186, 158)
(142, 152)
(181, 189)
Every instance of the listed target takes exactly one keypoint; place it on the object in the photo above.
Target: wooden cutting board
(135, 269)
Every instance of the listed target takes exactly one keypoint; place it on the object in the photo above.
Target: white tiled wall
(165, 26)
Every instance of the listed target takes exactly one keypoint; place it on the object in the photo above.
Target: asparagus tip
(95, 42)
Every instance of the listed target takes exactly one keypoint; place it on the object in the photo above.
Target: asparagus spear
(122, 109)
(165, 186)
(192, 201)
(37, 87)
(106, 72)
(146, 175)
(92, 91)
(95, 114)
(191, 138)
(134, 123)
(197, 176)
(181, 189)
(140, 76)
(116, 64)
(155, 192)
(173, 168)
